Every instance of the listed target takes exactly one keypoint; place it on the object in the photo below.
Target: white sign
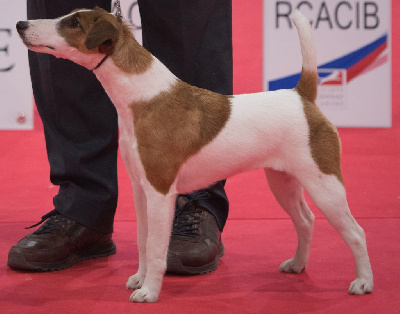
(353, 54)
(16, 108)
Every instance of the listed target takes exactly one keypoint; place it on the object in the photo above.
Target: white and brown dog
(176, 138)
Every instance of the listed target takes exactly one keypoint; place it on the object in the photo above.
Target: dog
(176, 138)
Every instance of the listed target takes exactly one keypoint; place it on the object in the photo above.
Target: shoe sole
(19, 262)
(175, 266)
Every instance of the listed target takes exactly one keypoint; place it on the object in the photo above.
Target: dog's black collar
(101, 62)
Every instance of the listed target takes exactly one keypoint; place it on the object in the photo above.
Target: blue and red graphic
(354, 64)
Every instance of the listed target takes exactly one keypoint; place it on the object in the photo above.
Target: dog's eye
(74, 23)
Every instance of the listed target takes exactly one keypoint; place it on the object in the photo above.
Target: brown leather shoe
(195, 245)
(59, 243)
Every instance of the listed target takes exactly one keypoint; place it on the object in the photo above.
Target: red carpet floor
(257, 238)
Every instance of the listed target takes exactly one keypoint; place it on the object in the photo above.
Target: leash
(101, 62)
(118, 13)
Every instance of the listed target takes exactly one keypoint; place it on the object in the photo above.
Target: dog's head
(83, 36)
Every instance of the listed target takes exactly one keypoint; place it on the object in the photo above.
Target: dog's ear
(103, 35)
(97, 8)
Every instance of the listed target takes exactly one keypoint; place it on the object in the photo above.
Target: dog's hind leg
(329, 195)
(289, 194)
(160, 213)
(136, 281)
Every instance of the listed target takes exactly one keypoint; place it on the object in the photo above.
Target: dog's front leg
(139, 197)
(160, 212)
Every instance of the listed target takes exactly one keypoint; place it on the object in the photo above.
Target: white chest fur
(126, 88)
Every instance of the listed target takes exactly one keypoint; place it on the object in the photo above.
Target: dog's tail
(308, 83)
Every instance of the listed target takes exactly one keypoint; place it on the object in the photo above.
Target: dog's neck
(127, 82)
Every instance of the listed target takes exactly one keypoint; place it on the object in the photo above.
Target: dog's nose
(22, 25)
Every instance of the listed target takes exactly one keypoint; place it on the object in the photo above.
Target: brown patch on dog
(174, 126)
(97, 31)
(324, 140)
(308, 85)
(128, 55)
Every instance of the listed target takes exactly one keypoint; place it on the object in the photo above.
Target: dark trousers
(192, 38)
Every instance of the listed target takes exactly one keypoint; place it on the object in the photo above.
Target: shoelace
(52, 218)
(187, 220)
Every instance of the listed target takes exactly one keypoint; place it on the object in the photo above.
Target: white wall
(16, 111)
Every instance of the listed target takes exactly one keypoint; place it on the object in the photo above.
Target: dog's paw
(135, 281)
(143, 295)
(292, 266)
(361, 286)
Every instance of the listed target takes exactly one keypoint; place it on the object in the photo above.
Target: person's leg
(194, 40)
(80, 125)
(81, 133)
